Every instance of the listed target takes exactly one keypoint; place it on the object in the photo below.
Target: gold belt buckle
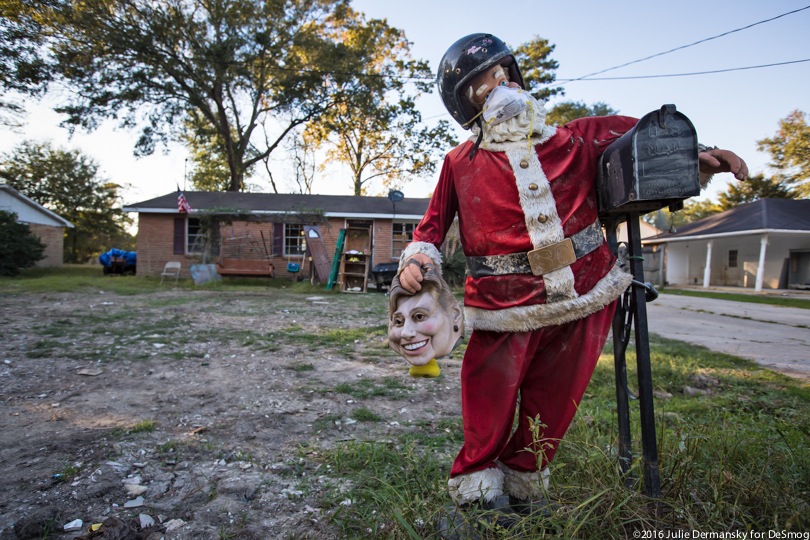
(549, 258)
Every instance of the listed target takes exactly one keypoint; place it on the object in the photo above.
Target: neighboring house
(645, 228)
(49, 227)
(266, 226)
(652, 255)
(761, 245)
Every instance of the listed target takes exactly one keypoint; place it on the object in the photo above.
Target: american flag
(182, 203)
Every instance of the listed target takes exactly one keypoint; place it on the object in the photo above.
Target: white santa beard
(531, 120)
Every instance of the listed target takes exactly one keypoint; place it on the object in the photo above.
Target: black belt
(542, 260)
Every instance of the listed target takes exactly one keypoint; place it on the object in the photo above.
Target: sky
(732, 109)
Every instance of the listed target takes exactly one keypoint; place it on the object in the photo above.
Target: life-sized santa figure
(521, 186)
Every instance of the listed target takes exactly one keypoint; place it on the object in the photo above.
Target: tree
(537, 67)
(737, 193)
(67, 182)
(209, 167)
(240, 74)
(755, 188)
(23, 31)
(19, 248)
(790, 151)
(302, 153)
(692, 211)
(566, 111)
(374, 128)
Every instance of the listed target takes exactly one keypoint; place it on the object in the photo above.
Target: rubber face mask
(504, 103)
(425, 325)
(422, 329)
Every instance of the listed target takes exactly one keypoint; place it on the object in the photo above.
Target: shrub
(19, 247)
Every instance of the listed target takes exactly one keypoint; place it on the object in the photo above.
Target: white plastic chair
(171, 270)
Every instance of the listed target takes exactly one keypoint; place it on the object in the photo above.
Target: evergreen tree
(19, 247)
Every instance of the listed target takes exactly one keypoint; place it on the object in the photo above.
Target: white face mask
(504, 103)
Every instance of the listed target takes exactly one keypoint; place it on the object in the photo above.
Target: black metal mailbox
(653, 165)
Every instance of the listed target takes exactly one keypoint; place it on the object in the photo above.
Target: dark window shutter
(179, 236)
(278, 239)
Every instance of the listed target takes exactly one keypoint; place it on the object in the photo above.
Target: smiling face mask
(504, 103)
(425, 325)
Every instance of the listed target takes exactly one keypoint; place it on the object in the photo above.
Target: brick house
(268, 227)
(48, 226)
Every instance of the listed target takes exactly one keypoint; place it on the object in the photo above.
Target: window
(295, 242)
(195, 236)
(732, 258)
(402, 235)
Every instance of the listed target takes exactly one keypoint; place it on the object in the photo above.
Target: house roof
(46, 217)
(758, 217)
(332, 205)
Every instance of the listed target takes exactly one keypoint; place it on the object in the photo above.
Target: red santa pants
(549, 369)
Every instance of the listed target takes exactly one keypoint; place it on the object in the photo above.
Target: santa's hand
(716, 161)
(411, 276)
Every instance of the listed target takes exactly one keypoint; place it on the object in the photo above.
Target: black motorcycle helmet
(465, 59)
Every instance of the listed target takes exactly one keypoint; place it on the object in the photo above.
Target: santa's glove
(716, 160)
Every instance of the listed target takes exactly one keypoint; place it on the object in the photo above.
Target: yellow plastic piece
(94, 527)
(431, 369)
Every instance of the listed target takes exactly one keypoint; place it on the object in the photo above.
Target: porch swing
(238, 256)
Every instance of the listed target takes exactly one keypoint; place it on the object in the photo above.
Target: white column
(707, 271)
(763, 248)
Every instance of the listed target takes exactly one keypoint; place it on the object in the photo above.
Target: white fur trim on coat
(704, 179)
(526, 486)
(475, 486)
(538, 138)
(528, 318)
(537, 202)
(421, 247)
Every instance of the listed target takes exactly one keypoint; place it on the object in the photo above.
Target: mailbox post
(651, 166)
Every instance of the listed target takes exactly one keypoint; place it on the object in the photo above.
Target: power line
(686, 46)
(688, 74)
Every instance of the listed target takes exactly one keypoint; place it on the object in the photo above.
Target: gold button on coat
(524, 164)
(542, 218)
(533, 187)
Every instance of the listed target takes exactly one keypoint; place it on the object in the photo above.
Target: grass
(144, 426)
(770, 299)
(89, 278)
(736, 458)
(389, 387)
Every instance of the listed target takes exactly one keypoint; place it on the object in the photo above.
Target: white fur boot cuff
(467, 488)
(525, 486)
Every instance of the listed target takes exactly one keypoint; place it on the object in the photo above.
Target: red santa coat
(515, 197)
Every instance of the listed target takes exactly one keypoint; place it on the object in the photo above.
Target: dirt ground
(191, 414)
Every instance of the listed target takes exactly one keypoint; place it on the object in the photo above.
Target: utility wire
(686, 46)
(687, 74)
(590, 76)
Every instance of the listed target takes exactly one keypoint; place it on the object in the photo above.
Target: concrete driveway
(775, 337)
